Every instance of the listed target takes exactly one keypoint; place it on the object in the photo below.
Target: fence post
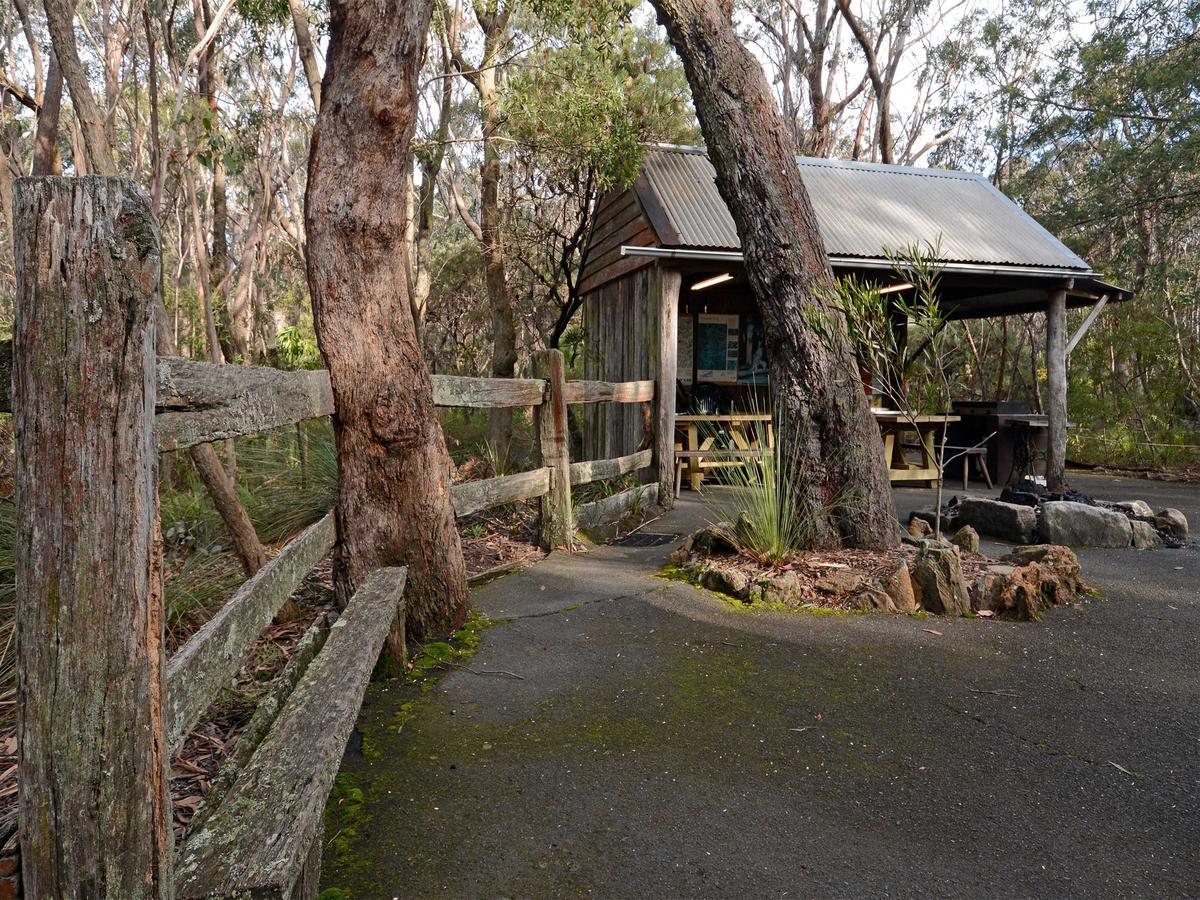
(665, 374)
(94, 806)
(555, 528)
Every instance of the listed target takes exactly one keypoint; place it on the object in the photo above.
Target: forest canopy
(1086, 113)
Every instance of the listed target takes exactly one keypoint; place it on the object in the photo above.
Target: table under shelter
(666, 297)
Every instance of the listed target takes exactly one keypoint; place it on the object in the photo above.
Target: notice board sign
(717, 349)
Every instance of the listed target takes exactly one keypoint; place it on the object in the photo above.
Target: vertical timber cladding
(621, 322)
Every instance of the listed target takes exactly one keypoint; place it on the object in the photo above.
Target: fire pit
(1027, 513)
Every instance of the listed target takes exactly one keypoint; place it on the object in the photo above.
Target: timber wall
(621, 326)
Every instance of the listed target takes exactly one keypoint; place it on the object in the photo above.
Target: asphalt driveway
(622, 735)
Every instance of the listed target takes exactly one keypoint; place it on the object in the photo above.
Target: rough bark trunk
(504, 329)
(393, 480)
(60, 22)
(45, 149)
(93, 782)
(825, 419)
(1056, 388)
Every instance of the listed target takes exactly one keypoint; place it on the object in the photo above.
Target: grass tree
(900, 338)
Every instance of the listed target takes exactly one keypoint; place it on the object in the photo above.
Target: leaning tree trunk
(393, 480)
(825, 417)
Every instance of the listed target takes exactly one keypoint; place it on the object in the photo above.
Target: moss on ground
(707, 705)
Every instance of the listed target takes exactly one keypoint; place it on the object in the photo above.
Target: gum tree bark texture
(393, 482)
(825, 418)
(94, 809)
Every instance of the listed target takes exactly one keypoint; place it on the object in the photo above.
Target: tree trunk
(304, 45)
(45, 148)
(393, 479)
(60, 22)
(824, 416)
(94, 806)
(504, 329)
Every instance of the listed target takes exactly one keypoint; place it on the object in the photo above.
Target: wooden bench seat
(264, 837)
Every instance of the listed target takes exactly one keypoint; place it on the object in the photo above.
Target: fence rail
(92, 404)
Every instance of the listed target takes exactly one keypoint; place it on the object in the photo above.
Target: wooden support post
(1056, 383)
(94, 807)
(665, 374)
(555, 528)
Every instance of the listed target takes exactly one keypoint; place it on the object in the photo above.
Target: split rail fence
(101, 713)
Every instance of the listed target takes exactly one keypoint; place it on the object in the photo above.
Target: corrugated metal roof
(863, 209)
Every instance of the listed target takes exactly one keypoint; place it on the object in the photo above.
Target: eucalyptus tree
(828, 430)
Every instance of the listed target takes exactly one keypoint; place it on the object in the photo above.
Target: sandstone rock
(1006, 521)
(873, 599)
(919, 528)
(1080, 525)
(898, 586)
(1173, 522)
(726, 581)
(937, 581)
(715, 540)
(986, 592)
(1020, 593)
(966, 539)
(1133, 507)
(839, 581)
(1145, 535)
(1059, 571)
(787, 588)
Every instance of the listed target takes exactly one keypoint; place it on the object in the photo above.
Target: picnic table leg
(695, 476)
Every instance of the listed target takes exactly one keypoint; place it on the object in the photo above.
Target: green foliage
(588, 102)
(911, 365)
(296, 348)
(760, 499)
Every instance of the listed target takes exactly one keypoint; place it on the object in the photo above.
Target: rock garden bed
(943, 577)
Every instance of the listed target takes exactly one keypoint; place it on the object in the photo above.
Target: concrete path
(660, 743)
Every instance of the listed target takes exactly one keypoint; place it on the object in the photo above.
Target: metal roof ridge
(833, 162)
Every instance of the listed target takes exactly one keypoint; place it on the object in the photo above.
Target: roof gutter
(855, 262)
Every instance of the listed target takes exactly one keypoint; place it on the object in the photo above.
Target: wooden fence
(100, 713)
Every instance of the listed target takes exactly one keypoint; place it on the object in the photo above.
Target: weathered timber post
(94, 808)
(665, 374)
(555, 526)
(1056, 384)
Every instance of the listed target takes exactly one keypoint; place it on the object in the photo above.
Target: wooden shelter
(666, 295)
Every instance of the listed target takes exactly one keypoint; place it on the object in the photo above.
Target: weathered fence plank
(94, 808)
(555, 528)
(259, 840)
(611, 509)
(609, 391)
(602, 469)
(491, 393)
(265, 714)
(199, 402)
(201, 667)
(473, 496)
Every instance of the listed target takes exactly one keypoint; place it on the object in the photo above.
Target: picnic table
(698, 451)
(894, 424)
